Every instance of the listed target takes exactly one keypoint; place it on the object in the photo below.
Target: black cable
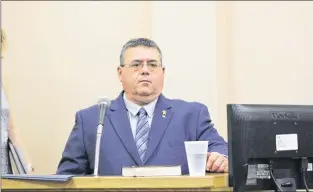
(274, 179)
(304, 181)
(304, 167)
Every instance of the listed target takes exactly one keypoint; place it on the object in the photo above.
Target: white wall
(62, 55)
(271, 52)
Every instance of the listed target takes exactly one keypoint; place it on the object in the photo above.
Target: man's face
(142, 76)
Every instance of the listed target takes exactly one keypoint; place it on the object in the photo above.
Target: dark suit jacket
(184, 121)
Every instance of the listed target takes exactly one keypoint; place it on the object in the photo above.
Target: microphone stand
(103, 104)
(97, 153)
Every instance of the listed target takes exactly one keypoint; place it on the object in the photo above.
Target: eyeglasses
(150, 65)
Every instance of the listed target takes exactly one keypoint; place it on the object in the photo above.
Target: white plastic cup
(196, 152)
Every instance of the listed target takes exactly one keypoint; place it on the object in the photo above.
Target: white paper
(286, 142)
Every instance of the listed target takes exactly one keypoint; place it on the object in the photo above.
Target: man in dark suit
(142, 126)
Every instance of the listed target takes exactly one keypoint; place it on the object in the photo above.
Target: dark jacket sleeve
(74, 160)
(207, 132)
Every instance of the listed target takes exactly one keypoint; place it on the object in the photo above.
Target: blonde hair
(3, 40)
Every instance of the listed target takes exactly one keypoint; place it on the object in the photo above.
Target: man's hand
(216, 162)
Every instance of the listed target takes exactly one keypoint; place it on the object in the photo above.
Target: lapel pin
(163, 113)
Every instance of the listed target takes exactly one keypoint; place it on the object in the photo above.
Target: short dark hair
(144, 42)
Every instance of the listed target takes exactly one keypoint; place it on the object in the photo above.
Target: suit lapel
(161, 118)
(120, 122)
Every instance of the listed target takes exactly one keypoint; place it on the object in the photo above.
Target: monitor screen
(270, 147)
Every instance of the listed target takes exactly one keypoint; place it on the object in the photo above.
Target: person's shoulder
(94, 109)
(180, 103)
(88, 110)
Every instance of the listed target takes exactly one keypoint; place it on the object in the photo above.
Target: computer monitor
(270, 147)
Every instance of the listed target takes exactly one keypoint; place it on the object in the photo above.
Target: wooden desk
(210, 182)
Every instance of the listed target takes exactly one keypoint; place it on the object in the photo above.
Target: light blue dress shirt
(133, 110)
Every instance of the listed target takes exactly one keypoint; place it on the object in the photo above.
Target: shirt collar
(133, 108)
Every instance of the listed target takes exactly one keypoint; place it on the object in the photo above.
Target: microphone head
(103, 104)
(104, 101)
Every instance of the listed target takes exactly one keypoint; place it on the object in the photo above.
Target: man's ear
(163, 70)
(119, 72)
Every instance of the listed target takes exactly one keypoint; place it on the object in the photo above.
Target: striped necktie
(142, 133)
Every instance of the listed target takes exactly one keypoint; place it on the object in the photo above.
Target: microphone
(103, 105)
